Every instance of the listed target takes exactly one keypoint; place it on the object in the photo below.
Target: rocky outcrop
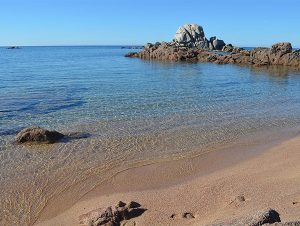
(38, 135)
(190, 44)
(112, 216)
(278, 54)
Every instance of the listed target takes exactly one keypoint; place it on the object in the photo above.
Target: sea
(126, 111)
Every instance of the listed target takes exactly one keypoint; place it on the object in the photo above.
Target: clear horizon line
(121, 45)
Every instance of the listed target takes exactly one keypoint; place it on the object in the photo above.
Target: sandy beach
(207, 186)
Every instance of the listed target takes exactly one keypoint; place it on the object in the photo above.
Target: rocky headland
(190, 44)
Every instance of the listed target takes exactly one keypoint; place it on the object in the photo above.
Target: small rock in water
(132, 54)
(38, 135)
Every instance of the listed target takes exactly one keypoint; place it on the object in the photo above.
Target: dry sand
(205, 186)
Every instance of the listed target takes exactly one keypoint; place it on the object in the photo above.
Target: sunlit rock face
(191, 35)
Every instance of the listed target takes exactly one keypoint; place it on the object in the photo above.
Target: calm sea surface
(129, 109)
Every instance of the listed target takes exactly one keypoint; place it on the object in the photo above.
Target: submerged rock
(38, 135)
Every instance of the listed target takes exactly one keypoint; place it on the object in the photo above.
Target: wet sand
(268, 176)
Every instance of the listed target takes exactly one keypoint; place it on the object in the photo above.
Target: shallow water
(133, 112)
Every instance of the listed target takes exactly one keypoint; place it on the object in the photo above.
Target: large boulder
(191, 35)
(281, 48)
(260, 56)
(278, 50)
(228, 48)
(278, 54)
(38, 135)
(218, 44)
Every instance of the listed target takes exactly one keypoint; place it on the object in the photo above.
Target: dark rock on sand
(291, 223)
(38, 135)
(238, 200)
(188, 215)
(269, 216)
(112, 216)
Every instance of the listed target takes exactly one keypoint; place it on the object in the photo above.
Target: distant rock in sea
(131, 47)
(13, 47)
(190, 44)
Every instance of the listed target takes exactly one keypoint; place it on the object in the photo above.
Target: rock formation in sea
(190, 44)
(38, 135)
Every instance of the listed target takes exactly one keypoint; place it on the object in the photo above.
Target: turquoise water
(132, 110)
(56, 86)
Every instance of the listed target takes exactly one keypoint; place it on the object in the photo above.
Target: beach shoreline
(203, 185)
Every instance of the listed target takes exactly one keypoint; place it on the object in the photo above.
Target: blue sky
(104, 22)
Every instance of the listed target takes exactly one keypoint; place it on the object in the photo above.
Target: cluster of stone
(190, 44)
(112, 215)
